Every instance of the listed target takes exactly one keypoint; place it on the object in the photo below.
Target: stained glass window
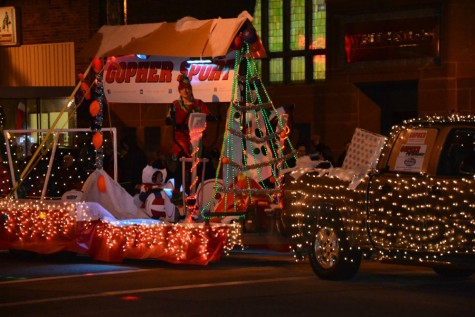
(297, 69)
(276, 26)
(319, 16)
(295, 39)
(319, 66)
(276, 70)
(297, 25)
(257, 25)
(257, 17)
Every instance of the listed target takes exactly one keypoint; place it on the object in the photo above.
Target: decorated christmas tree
(255, 145)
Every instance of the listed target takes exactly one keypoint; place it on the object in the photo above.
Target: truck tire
(330, 255)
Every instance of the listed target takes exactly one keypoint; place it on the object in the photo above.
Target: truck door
(450, 208)
(398, 194)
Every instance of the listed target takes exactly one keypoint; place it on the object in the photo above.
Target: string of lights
(51, 227)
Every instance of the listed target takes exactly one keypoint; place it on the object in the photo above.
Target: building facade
(393, 60)
(385, 61)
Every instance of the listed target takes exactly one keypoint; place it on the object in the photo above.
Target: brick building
(385, 61)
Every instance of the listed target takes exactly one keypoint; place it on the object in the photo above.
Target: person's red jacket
(182, 144)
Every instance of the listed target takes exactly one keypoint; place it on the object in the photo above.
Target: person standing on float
(178, 115)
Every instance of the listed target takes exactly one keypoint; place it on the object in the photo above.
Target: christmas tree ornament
(238, 42)
(96, 65)
(101, 183)
(249, 35)
(97, 140)
(94, 108)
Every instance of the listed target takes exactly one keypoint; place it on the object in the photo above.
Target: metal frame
(113, 131)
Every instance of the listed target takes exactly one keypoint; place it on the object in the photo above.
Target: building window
(319, 18)
(43, 113)
(319, 66)
(297, 70)
(275, 73)
(37, 120)
(294, 34)
(276, 26)
(297, 25)
(257, 26)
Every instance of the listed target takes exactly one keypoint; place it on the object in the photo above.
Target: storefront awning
(187, 37)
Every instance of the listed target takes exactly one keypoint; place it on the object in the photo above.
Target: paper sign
(410, 158)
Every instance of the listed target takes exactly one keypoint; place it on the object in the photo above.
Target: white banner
(128, 79)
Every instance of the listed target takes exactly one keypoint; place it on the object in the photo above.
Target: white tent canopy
(187, 37)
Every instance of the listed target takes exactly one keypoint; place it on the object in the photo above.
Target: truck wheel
(330, 255)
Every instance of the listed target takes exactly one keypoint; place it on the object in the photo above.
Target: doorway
(397, 101)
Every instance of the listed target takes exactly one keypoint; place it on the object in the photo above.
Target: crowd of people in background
(318, 151)
(132, 160)
(74, 167)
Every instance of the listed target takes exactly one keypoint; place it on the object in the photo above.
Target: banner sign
(129, 79)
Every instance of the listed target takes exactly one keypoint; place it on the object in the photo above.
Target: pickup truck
(415, 205)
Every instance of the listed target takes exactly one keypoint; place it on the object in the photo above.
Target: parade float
(406, 199)
(97, 217)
